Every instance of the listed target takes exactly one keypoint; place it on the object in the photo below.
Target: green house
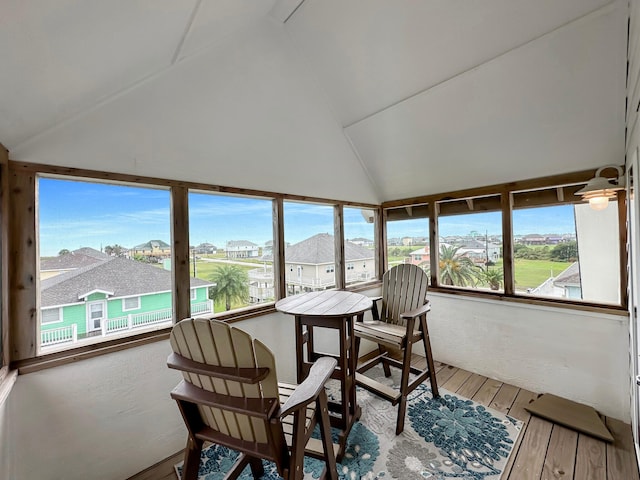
(107, 296)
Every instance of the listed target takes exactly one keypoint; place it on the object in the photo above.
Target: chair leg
(256, 467)
(404, 386)
(322, 415)
(427, 353)
(191, 463)
(296, 461)
(385, 365)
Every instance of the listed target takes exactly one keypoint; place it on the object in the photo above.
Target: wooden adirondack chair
(230, 396)
(401, 322)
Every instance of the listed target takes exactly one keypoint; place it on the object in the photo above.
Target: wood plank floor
(544, 451)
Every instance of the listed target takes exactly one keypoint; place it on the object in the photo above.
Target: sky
(75, 214)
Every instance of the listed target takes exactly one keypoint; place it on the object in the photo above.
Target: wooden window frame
(22, 291)
(564, 185)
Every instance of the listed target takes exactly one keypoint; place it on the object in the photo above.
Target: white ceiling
(363, 100)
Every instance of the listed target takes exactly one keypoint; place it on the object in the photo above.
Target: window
(309, 240)
(359, 245)
(115, 237)
(564, 249)
(231, 251)
(470, 243)
(51, 315)
(131, 303)
(194, 294)
(408, 236)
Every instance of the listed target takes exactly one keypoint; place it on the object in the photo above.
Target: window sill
(7, 380)
(539, 301)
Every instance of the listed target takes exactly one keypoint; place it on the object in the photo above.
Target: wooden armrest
(257, 407)
(235, 374)
(376, 299)
(417, 311)
(309, 390)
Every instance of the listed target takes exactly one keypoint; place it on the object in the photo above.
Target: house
(242, 249)
(82, 257)
(361, 104)
(310, 266)
(205, 249)
(479, 251)
(420, 256)
(569, 281)
(534, 239)
(109, 296)
(153, 250)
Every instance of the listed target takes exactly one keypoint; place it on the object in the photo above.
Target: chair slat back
(216, 343)
(404, 288)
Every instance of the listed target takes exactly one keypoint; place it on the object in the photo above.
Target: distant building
(534, 239)
(82, 257)
(310, 266)
(242, 249)
(420, 256)
(110, 296)
(480, 251)
(205, 249)
(153, 250)
(363, 242)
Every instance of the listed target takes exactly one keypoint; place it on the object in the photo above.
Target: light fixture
(600, 189)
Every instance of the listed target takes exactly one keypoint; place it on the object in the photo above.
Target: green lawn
(532, 273)
(205, 270)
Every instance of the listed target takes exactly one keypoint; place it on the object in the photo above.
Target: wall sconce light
(600, 189)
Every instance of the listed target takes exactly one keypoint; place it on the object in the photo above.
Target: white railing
(203, 307)
(110, 326)
(55, 336)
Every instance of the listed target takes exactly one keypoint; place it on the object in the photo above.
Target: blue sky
(79, 214)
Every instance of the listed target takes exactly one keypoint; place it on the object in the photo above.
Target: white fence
(69, 334)
(55, 336)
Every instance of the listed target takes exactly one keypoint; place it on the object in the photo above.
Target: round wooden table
(334, 309)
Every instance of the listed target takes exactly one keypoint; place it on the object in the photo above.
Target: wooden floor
(544, 450)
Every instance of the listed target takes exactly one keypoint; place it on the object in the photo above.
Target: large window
(359, 245)
(231, 241)
(565, 250)
(101, 246)
(470, 243)
(408, 236)
(309, 247)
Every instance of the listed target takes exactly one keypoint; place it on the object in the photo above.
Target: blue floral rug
(447, 437)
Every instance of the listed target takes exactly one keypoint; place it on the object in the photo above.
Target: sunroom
(316, 144)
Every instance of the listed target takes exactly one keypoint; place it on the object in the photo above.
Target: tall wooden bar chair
(230, 396)
(398, 324)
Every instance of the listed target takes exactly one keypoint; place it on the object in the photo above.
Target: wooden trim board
(570, 414)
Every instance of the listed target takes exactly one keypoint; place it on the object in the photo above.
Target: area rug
(447, 437)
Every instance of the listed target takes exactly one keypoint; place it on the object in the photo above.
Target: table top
(327, 303)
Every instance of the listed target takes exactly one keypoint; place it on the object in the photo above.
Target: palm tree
(231, 283)
(493, 277)
(455, 269)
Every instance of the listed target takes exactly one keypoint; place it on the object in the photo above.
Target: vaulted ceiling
(362, 100)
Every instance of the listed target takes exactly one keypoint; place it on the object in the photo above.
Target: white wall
(107, 417)
(599, 252)
(5, 457)
(582, 356)
(111, 416)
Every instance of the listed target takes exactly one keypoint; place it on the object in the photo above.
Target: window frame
(22, 183)
(563, 185)
(59, 320)
(124, 303)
